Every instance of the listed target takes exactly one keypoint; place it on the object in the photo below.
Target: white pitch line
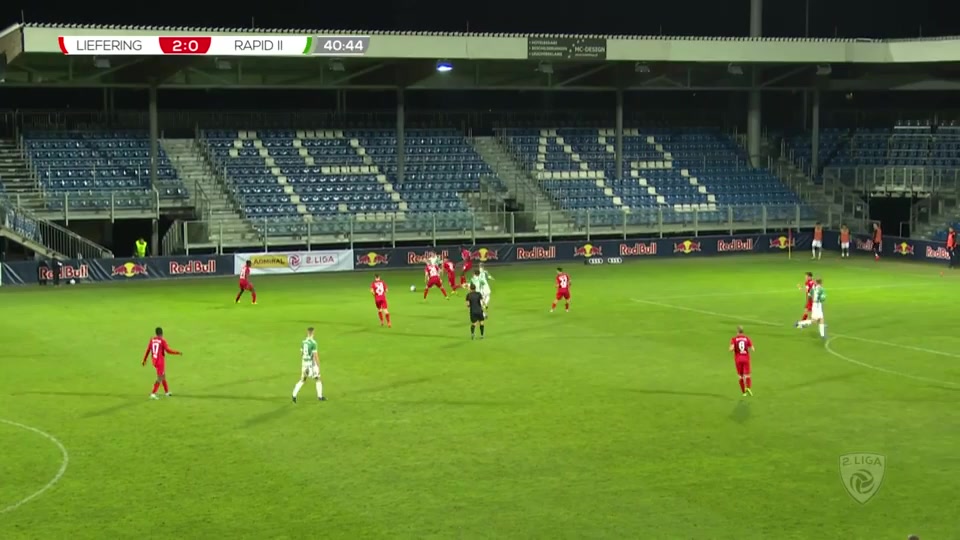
(789, 291)
(768, 323)
(830, 350)
(64, 462)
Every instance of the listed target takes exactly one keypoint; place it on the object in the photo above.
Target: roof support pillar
(619, 135)
(154, 134)
(753, 101)
(401, 140)
(815, 135)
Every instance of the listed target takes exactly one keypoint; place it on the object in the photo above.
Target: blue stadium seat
(328, 178)
(95, 167)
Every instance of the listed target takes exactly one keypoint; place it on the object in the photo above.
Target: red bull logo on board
(372, 259)
(129, 270)
(587, 251)
(687, 247)
(638, 249)
(903, 249)
(782, 242)
(735, 245)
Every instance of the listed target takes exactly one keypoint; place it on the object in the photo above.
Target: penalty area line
(827, 346)
(64, 463)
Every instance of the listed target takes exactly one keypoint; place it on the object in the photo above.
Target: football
(73, 282)
(413, 288)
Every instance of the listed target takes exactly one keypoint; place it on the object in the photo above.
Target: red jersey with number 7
(157, 350)
(741, 345)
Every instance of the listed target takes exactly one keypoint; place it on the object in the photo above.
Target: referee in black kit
(475, 303)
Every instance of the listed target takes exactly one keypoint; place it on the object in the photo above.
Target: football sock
(425, 291)
(823, 330)
(253, 294)
(804, 323)
(473, 329)
(814, 250)
(166, 387)
(444, 291)
(296, 389)
(742, 387)
(156, 385)
(380, 314)
(805, 317)
(319, 389)
(748, 380)
(481, 329)
(567, 305)
(239, 294)
(388, 318)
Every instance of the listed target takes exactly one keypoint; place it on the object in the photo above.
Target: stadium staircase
(520, 186)
(18, 181)
(209, 195)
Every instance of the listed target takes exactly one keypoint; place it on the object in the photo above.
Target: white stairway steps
(18, 181)
(519, 183)
(194, 170)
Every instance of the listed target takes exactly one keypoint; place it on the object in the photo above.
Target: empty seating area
(97, 169)
(347, 181)
(910, 144)
(675, 175)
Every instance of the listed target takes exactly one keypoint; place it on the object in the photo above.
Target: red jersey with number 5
(244, 274)
(563, 282)
(741, 348)
(157, 350)
(379, 290)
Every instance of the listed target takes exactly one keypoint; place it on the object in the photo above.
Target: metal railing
(110, 205)
(896, 179)
(508, 226)
(50, 235)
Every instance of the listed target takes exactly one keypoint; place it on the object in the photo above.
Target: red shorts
(381, 303)
(161, 368)
(563, 294)
(467, 266)
(246, 285)
(434, 282)
(743, 367)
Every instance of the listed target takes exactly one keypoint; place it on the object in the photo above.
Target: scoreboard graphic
(219, 45)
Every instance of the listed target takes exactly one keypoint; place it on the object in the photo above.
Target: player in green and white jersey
(819, 296)
(309, 365)
(485, 291)
(479, 280)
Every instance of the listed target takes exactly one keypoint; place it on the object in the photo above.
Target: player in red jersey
(807, 286)
(431, 278)
(741, 346)
(157, 350)
(450, 269)
(245, 284)
(466, 265)
(379, 291)
(563, 290)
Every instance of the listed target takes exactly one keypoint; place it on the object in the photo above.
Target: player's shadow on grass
(741, 413)
(821, 380)
(129, 400)
(269, 416)
(245, 381)
(389, 386)
(677, 393)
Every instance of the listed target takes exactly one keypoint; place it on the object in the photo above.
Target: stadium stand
(285, 179)
(675, 175)
(98, 169)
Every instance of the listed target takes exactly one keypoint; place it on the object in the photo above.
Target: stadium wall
(599, 252)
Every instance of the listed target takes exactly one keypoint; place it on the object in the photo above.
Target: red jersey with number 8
(741, 348)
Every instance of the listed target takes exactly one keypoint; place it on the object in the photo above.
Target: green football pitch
(620, 419)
